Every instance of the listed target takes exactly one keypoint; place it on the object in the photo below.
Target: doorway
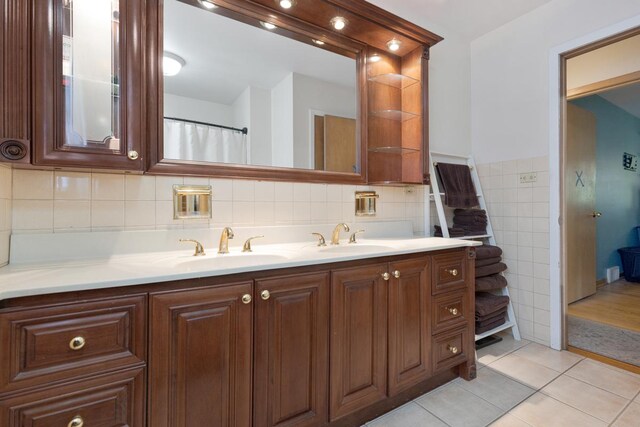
(600, 199)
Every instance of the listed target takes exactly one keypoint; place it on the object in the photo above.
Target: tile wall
(5, 213)
(61, 201)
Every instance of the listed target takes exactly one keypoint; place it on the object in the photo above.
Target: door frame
(558, 57)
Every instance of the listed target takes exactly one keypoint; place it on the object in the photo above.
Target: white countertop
(152, 267)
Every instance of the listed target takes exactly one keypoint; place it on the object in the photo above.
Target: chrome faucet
(227, 233)
(335, 236)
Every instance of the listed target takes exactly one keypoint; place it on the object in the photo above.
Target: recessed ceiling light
(375, 58)
(171, 64)
(207, 4)
(318, 42)
(268, 25)
(339, 23)
(286, 4)
(393, 45)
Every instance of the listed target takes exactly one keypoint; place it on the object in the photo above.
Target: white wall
(313, 94)
(195, 109)
(610, 61)
(282, 122)
(510, 74)
(260, 127)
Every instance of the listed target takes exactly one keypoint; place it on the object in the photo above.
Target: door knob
(386, 276)
(265, 295)
(396, 274)
(246, 298)
(597, 214)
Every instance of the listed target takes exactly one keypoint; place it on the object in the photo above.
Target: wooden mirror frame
(249, 12)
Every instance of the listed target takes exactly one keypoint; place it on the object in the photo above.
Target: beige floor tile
(496, 351)
(557, 360)
(637, 399)
(458, 407)
(602, 376)
(508, 420)
(497, 389)
(525, 371)
(409, 415)
(630, 417)
(587, 398)
(543, 411)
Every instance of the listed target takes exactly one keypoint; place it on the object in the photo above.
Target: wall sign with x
(579, 178)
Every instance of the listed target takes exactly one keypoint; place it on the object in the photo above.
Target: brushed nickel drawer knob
(133, 155)
(396, 274)
(246, 299)
(386, 276)
(453, 310)
(452, 271)
(452, 349)
(265, 295)
(77, 343)
(77, 421)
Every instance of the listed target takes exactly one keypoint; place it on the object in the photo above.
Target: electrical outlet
(529, 177)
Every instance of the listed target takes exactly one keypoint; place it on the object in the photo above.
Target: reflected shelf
(399, 81)
(393, 150)
(397, 115)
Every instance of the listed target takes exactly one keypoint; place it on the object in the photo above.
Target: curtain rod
(243, 130)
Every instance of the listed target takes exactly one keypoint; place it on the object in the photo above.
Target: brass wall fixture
(366, 203)
(191, 201)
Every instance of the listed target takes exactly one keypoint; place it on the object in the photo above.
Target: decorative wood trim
(603, 85)
(618, 364)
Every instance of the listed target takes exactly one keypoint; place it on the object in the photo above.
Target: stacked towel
(453, 231)
(491, 311)
(472, 221)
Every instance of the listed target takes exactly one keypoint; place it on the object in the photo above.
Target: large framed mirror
(241, 90)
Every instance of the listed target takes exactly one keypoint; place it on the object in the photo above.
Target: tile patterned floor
(524, 384)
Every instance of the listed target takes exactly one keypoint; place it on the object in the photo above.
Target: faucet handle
(247, 244)
(352, 238)
(321, 241)
(199, 249)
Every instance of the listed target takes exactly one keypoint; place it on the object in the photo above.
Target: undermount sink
(354, 248)
(231, 260)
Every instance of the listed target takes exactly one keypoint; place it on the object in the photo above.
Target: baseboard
(607, 360)
(600, 283)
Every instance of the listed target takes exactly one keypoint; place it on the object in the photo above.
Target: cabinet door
(291, 353)
(409, 335)
(87, 83)
(200, 357)
(358, 339)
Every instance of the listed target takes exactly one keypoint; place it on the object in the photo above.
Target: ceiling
(625, 97)
(467, 18)
(223, 56)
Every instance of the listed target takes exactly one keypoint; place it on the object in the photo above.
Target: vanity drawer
(57, 343)
(115, 400)
(449, 272)
(449, 349)
(448, 311)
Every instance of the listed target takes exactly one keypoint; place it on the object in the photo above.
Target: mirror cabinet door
(87, 87)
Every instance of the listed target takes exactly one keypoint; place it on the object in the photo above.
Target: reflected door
(580, 200)
(339, 147)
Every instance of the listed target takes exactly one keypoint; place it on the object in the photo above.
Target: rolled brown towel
(483, 329)
(491, 283)
(487, 303)
(483, 320)
(487, 251)
(488, 261)
(488, 270)
(470, 212)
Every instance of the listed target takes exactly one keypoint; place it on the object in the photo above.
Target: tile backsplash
(5, 213)
(61, 201)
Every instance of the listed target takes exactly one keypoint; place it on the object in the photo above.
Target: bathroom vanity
(297, 335)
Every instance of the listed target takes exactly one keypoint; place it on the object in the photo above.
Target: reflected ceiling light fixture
(171, 64)
(286, 4)
(339, 22)
(207, 4)
(375, 58)
(393, 45)
(268, 25)
(318, 42)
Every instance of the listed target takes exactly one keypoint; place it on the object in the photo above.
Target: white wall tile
(107, 213)
(32, 185)
(105, 186)
(284, 192)
(222, 189)
(32, 215)
(243, 212)
(264, 191)
(139, 213)
(72, 186)
(243, 190)
(72, 214)
(164, 186)
(138, 187)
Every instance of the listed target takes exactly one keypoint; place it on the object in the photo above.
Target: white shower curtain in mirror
(190, 141)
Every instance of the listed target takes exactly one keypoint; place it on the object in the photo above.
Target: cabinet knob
(246, 299)
(77, 343)
(396, 274)
(77, 421)
(386, 276)
(452, 349)
(132, 155)
(453, 310)
(452, 271)
(265, 295)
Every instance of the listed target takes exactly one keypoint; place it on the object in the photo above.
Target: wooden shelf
(397, 115)
(393, 150)
(500, 328)
(399, 81)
